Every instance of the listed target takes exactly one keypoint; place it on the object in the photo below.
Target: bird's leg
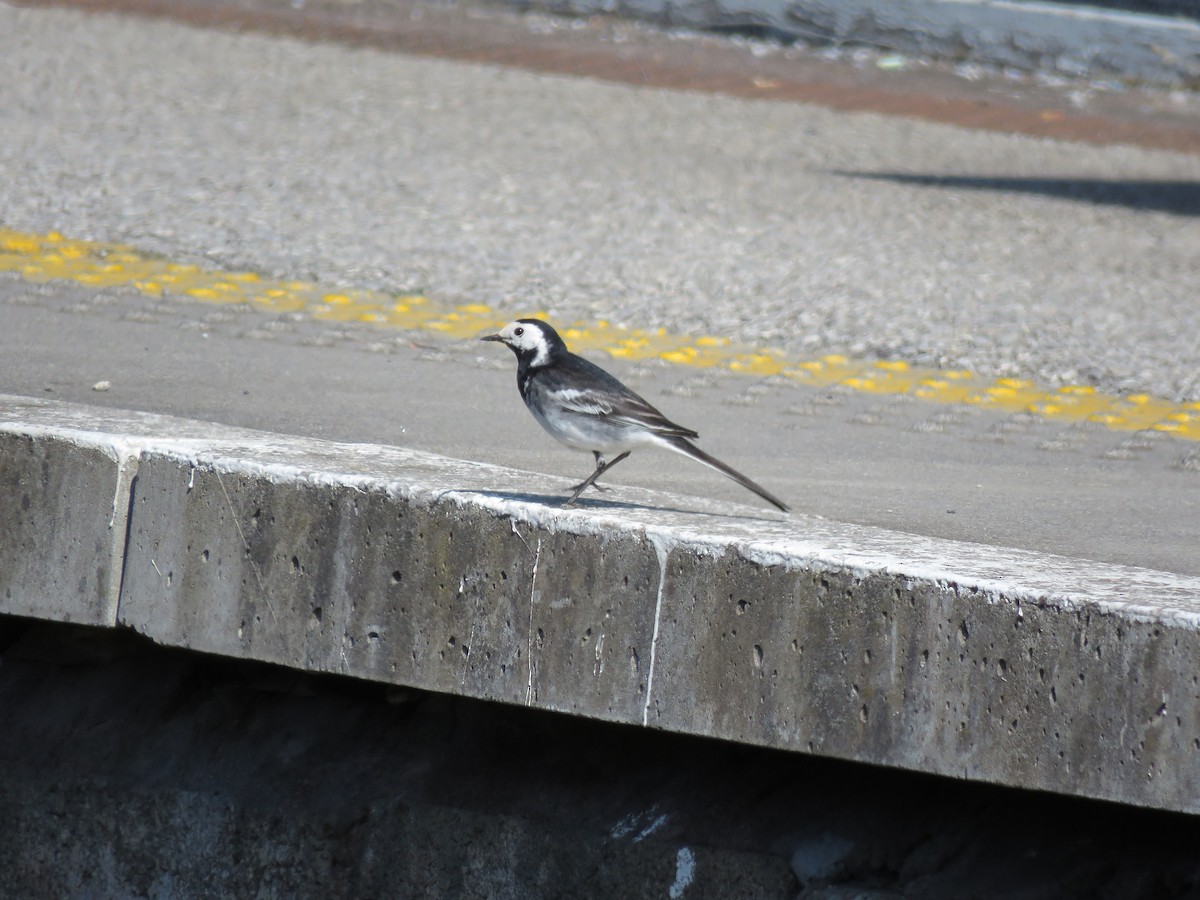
(578, 489)
(601, 466)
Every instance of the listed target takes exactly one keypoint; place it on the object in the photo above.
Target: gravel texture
(701, 214)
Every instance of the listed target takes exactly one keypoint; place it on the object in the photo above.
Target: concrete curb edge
(382, 563)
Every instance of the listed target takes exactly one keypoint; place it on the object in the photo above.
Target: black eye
(518, 331)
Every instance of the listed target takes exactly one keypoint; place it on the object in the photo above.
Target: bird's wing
(591, 403)
(621, 406)
(584, 388)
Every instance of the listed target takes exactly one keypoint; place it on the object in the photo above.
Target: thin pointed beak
(492, 337)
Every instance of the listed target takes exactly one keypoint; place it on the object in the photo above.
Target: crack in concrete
(661, 550)
(127, 469)
(537, 558)
(262, 589)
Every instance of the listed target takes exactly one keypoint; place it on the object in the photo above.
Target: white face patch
(525, 337)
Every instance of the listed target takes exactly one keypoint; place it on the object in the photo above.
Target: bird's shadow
(556, 501)
(1181, 197)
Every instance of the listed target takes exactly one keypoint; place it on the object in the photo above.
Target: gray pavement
(782, 224)
(1004, 254)
(955, 472)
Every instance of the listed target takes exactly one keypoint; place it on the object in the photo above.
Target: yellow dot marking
(53, 256)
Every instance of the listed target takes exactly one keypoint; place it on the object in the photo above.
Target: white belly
(595, 435)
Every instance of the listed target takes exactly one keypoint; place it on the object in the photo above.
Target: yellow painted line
(48, 257)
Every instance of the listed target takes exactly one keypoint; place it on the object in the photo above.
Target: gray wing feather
(625, 407)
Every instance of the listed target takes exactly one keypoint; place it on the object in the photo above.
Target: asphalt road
(955, 472)
(776, 224)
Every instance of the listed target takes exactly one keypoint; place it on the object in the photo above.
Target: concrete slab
(64, 506)
(700, 617)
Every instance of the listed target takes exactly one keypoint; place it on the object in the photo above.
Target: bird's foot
(579, 487)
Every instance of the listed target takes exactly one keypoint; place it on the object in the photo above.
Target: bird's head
(532, 340)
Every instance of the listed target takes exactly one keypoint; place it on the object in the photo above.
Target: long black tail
(687, 448)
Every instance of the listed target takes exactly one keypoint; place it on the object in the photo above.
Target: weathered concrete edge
(1075, 41)
(403, 567)
(64, 505)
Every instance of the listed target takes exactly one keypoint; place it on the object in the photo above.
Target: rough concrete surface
(130, 770)
(62, 542)
(789, 632)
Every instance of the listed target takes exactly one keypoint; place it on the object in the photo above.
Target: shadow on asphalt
(1178, 197)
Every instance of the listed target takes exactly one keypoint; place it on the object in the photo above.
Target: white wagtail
(585, 408)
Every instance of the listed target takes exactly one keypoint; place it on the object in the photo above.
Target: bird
(586, 408)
